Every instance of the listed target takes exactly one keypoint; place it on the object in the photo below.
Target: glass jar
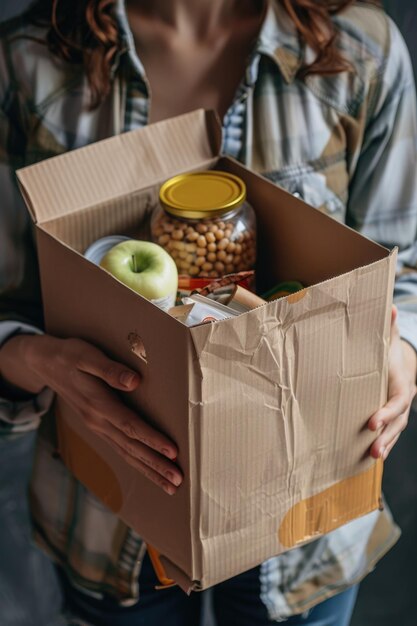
(206, 224)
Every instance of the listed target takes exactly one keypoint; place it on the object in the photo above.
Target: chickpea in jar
(206, 224)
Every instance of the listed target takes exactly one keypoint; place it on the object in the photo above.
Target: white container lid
(99, 248)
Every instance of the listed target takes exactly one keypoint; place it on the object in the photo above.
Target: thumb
(115, 374)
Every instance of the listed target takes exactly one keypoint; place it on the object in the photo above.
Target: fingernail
(171, 455)
(379, 425)
(174, 478)
(127, 378)
(381, 452)
(169, 490)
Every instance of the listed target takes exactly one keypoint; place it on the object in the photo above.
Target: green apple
(146, 268)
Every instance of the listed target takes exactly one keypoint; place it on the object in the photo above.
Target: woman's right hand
(86, 379)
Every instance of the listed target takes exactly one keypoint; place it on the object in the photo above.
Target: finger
(389, 435)
(144, 469)
(382, 451)
(109, 408)
(390, 447)
(396, 405)
(142, 453)
(115, 374)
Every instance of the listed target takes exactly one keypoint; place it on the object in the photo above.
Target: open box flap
(119, 165)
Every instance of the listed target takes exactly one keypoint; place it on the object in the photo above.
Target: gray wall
(404, 13)
(8, 8)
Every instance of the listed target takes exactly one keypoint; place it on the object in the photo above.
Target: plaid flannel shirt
(346, 144)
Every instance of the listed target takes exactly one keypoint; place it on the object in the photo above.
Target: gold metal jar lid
(202, 195)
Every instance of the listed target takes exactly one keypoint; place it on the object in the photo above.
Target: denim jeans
(30, 593)
(236, 602)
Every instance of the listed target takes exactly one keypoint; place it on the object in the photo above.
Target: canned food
(206, 224)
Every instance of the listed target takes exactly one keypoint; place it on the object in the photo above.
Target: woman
(318, 96)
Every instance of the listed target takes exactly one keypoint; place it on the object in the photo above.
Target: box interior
(313, 249)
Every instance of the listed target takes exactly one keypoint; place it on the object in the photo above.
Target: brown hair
(86, 32)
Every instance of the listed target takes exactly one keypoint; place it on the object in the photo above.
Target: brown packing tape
(332, 507)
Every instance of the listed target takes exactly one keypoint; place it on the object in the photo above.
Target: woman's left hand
(391, 419)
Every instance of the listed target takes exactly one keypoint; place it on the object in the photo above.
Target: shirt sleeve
(20, 306)
(19, 416)
(383, 189)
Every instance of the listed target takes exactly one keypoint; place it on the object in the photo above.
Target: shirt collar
(277, 40)
(127, 38)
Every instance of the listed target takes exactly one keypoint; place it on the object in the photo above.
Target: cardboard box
(268, 409)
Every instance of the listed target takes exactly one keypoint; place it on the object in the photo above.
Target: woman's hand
(86, 379)
(392, 418)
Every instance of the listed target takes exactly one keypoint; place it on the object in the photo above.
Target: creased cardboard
(268, 408)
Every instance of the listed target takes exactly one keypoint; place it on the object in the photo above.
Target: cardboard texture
(269, 408)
